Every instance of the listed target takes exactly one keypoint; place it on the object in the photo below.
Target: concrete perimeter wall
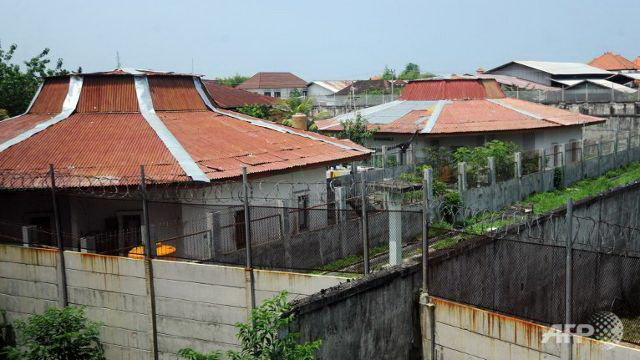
(467, 333)
(197, 305)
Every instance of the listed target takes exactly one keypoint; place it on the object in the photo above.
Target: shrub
(57, 334)
(261, 337)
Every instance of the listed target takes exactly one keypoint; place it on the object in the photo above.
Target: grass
(583, 189)
(544, 202)
(351, 260)
(631, 329)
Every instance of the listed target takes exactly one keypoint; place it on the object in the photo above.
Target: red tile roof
(637, 62)
(613, 62)
(229, 98)
(451, 89)
(107, 138)
(273, 80)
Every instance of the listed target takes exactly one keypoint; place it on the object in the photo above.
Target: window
(44, 229)
(267, 93)
(276, 94)
(303, 212)
(304, 93)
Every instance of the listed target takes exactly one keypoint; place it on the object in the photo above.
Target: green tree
(18, 86)
(232, 81)
(57, 334)
(261, 338)
(411, 72)
(388, 73)
(258, 111)
(356, 130)
(294, 104)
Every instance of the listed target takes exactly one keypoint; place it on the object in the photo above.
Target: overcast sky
(318, 39)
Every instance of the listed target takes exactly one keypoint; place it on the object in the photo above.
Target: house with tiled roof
(614, 62)
(230, 98)
(464, 111)
(99, 131)
(276, 84)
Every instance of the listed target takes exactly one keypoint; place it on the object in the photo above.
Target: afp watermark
(562, 333)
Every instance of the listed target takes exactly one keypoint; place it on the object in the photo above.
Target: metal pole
(247, 234)
(149, 250)
(568, 273)
(425, 232)
(149, 253)
(63, 294)
(365, 225)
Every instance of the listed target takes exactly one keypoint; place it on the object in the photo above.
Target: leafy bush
(57, 334)
(477, 159)
(356, 129)
(261, 337)
(257, 111)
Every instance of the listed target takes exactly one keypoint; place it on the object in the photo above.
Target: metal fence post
(568, 291)
(247, 235)
(581, 159)
(491, 164)
(365, 226)
(599, 155)
(426, 180)
(628, 147)
(384, 156)
(149, 253)
(462, 177)
(63, 296)
(518, 172)
(541, 168)
(563, 163)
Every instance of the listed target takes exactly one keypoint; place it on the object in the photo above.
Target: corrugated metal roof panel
(563, 68)
(108, 94)
(552, 114)
(451, 89)
(228, 97)
(11, 128)
(51, 96)
(108, 145)
(217, 141)
(174, 93)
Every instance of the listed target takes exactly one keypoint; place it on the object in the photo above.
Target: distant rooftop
(613, 62)
(559, 68)
(273, 80)
(230, 98)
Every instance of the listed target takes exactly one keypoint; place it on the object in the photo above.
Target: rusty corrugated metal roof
(107, 145)
(108, 138)
(174, 93)
(451, 89)
(228, 97)
(238, 143)
(51, 96)
(107, 94)
(12, 127)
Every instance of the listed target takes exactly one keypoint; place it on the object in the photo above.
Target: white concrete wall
(197, 305)
(284, 92)
(28, 282)
(469, 333)
(113, 289)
